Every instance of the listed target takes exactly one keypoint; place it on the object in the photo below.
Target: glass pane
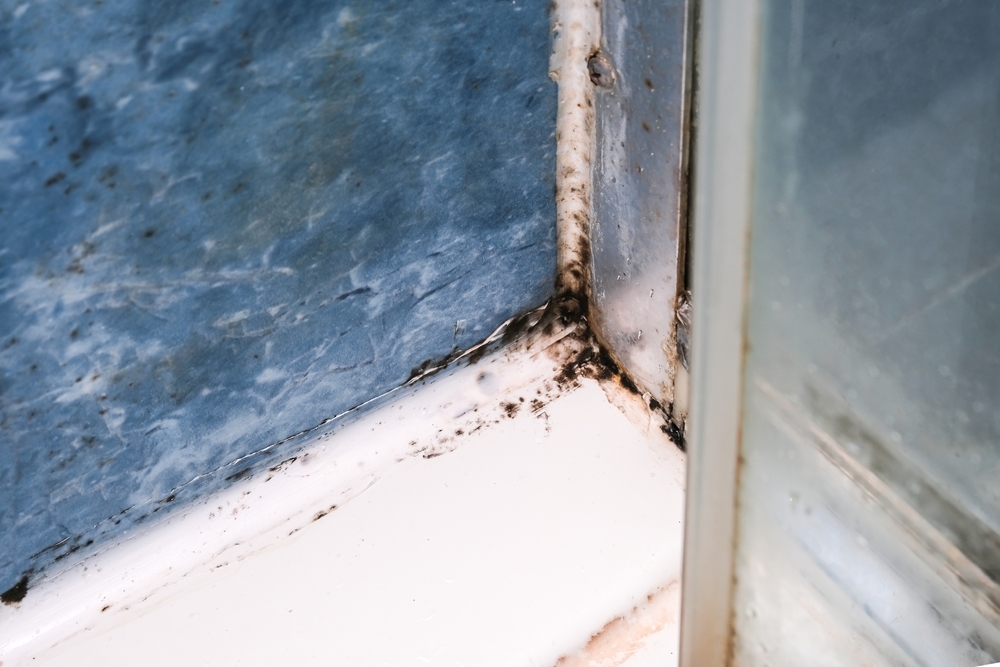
(870, 488)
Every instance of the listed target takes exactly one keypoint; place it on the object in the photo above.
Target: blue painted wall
(223, 222)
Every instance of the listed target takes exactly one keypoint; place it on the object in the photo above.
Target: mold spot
(418, 371)
(431, 366)
(322, 513)
(675, 434)
(78, 156)
(477, 354)
(516, 328)
(241, 474)
(76, 546)
(15, 593)
(108, 173)
(51, 547)
(489, 383)
(284, 463)
(627, 383)
(356, 292)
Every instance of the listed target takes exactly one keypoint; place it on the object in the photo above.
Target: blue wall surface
(224, 222)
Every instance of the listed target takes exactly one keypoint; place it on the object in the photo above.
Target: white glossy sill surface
(522, 546)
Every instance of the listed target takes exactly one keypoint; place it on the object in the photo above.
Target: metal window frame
(722, 177)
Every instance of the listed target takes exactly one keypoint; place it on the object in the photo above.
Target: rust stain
(624, 636)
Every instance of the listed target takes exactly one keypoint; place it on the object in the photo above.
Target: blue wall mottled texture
(223, 222)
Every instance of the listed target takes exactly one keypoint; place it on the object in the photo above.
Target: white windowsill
(525, 537)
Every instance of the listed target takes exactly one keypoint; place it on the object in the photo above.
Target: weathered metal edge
(639, 202)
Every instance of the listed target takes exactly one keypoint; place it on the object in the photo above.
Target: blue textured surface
(225, 222)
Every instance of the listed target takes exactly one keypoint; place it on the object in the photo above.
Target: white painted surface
(514, 549)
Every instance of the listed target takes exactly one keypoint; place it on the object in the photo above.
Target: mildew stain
(561, 330)
(15, 593)
(322, 513)
(562, 325)
(576, 30)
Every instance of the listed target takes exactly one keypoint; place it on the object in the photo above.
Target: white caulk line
(576, 31)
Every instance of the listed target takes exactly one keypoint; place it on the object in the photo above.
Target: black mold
(15, 593)
(73, 549)
(79, 156)
(595, 361)
(478, 353)
(51, 547)
(675, 434)
(356, 292)
(281, 465)
(55, 178)
(516, 327)
(322, 513)
(236, 476)
(431, 367)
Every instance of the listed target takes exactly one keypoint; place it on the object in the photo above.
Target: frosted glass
(869, 520)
